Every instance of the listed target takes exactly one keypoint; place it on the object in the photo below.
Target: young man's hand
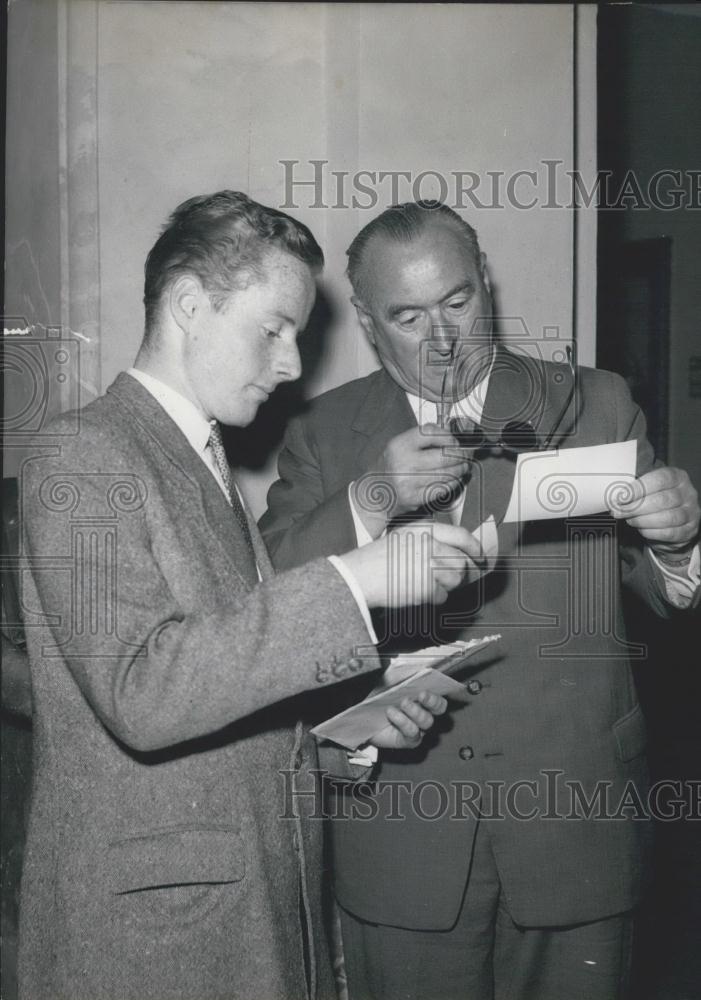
(416, 564)
(409, 722)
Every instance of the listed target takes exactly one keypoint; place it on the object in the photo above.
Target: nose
(444, 339)
(289, 363)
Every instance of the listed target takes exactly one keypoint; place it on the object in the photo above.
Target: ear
(485, 273)
(186, 297)
(364, 318)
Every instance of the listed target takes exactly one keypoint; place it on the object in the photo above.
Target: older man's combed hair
(223, 239)
(403, 223)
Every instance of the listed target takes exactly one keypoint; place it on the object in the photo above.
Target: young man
(167, 660)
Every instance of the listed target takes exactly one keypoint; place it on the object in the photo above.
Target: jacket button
(466, 753)
(355, 663)
(474, 686)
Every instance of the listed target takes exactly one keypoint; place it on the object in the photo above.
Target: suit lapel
(172, 443)
(383, 413)
(526, 389)
(262, 558)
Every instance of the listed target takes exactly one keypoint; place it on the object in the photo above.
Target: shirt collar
(471, 406)
(181, 411)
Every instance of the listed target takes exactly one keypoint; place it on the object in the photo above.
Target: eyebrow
(464, 286)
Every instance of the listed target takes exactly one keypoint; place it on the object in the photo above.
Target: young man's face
(235, 357)
(428, 289)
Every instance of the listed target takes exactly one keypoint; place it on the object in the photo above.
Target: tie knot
(215, 435)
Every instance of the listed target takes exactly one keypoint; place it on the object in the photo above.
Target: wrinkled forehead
(436, 258)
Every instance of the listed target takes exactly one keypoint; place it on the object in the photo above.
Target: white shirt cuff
(364, 756)
(682, 582)
(357, 593)
(362, 535)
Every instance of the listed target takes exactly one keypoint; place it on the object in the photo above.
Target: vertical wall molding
(79, 183)
(585, 163)
(342, 112)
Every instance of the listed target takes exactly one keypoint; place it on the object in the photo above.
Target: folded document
(407, 675)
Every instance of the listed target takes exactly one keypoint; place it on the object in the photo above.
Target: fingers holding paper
(664, 507)
(418, 563)
(409, 721)
(452, 550)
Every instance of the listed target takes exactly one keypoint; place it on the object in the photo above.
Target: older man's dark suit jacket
(164, 859)
(553, 703)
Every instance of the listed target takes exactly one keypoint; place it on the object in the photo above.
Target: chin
(239, 418)
(419, 389)
(428, 392)
(243, 420)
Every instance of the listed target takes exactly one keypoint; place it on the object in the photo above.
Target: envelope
(361, 722)
(423, 670)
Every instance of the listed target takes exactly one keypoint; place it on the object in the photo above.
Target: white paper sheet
(488, 538)
(447, 658)
(571, 482)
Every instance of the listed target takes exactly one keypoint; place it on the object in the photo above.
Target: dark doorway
(649, 115)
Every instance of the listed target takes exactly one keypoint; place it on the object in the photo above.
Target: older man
(167, 661)
(519, 889)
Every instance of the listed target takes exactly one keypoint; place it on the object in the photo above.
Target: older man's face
(419, 297)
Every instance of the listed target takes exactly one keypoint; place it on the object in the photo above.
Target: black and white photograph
(351, 565)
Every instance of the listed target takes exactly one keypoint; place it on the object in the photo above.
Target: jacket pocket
(631, 734)
(175, 857)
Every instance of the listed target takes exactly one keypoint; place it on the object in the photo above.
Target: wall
(215, 95)
(161, 101)
(32, 229)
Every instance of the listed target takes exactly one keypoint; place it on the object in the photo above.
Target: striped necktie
(217, 445)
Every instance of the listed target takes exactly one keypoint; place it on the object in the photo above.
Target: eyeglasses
(516, 436)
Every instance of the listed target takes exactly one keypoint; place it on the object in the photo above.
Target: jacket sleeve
(305, 520)
(154, 672)
(638, 571)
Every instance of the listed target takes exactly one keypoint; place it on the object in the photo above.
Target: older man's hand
(421, 464)
(664, 507)
(410, 721)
